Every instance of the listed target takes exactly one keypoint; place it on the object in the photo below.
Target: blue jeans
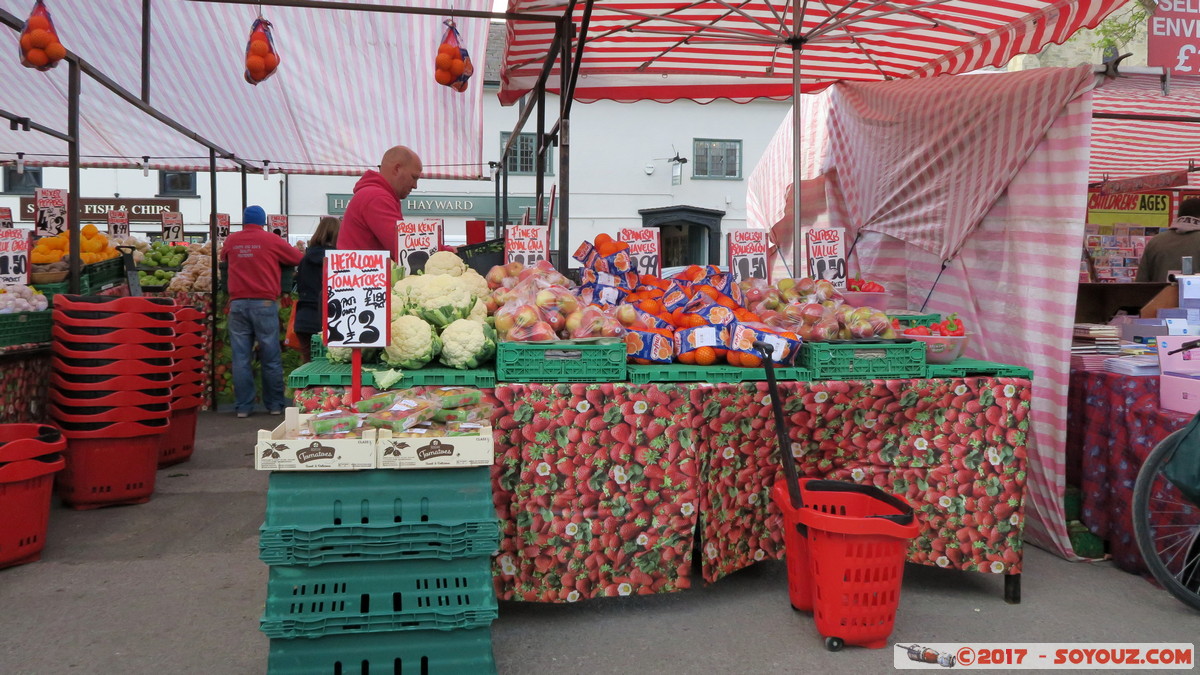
(251, 321)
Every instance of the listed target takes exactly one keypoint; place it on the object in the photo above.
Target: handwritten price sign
(118, 223)
(222, 228)
(357, 298)
(826, 248)
(278, 224)
(172, 226)
(14, 256)
(645, 248)
(527, 244)
(6, 220)
(748, 255)
(416, 240)
(51, 212)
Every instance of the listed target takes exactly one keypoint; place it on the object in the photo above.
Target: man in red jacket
(255, 256)
(369, 223)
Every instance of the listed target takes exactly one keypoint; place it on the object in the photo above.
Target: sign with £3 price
(826, 249)
(278, 224)
(172, 226)
(416, 240)
(527, 244)
(748, 255)
(14, 256)
(645, 248)
(51, 216)
(357, 298)
(118, 223)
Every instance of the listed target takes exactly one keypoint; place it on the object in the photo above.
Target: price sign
(6, 220)
(51, 212)
(1171, 38)
(748, 254)
(14, 256)
(826, 248)
(416, 240)
(357, 298)
(222, 228)
(118, 223)
(172, 226)
(278, 224)
(645, 248)
(527, 244)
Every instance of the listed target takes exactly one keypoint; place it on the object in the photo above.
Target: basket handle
(905, 517)
(785, 454)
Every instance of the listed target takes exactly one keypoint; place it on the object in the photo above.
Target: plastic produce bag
(452, 68)
(454, 397)
(261, 57)
(40, 46)
(333, 422)
(404, 414)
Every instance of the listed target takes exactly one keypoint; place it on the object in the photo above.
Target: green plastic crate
(1072, 503)
(318, 345)
(371, 597)
(25, 328)
(679, 372)
(104, 274)
(561, 361)
(51, 290)
(910, 320)
(322, 373)
(418, 652)
(965, 367)
(863, 359)
(399, 542)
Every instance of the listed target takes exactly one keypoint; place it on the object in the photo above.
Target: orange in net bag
(40, 46)
(452, 66)
(261, 57)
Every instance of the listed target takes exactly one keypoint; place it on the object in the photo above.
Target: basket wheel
(834, 644)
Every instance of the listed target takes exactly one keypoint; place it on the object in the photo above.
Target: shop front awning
(1146, 141)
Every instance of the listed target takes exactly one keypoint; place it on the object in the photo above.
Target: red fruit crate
(25, 488)
(179, 441)
(108, 471)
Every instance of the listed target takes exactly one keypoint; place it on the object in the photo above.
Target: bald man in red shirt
(369, 223)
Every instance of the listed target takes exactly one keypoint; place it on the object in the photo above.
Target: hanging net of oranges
(452, 67)
(261, 57)
(40, 46)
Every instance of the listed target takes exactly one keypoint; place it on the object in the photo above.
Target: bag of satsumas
(452, 67)
(40, 46)
(261, 57)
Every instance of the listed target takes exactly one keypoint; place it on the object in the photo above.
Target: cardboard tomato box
(417, 450)
(283, 449)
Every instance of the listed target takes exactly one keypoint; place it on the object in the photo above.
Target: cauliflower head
(439, 299)
(339, 354)
(479, 312)
(467, 344)
(414, 344)
(445, 262)
(475, 283)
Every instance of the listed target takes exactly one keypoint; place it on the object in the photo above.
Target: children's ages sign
(645, 248)
(416, 240)
(527, 244)
(172, 226)
(748, 255)
(826, 248)
(278, 224)
(14, 255)
(51, 212)
(118, 223)
(357, 298)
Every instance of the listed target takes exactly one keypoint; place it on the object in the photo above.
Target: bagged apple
(452, 67)
(40, 46)
(261, 57)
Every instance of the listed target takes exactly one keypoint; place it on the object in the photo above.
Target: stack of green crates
(380, 571)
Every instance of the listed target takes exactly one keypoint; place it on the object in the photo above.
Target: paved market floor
(175, 586)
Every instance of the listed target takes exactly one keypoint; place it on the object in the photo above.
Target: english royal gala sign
(1173, 36)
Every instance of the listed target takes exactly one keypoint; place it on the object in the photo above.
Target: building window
(523, 158)
(21, 183)
(176, 184)
(716, 159)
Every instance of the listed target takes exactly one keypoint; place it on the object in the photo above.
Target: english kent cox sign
(1173, 36)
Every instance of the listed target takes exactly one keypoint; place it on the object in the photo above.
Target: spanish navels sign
(482, 207)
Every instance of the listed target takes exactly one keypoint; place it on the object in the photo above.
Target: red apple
(495, 276)
(526, 315)
(546, 299)
(514, 269)
(627, 314)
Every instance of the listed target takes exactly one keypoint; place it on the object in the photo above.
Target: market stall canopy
(1124, 148)
(350, 85)
(664, 50)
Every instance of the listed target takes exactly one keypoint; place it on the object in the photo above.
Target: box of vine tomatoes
(435, 446)
(290, 447)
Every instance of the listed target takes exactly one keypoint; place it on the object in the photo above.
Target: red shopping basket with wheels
(845, 546)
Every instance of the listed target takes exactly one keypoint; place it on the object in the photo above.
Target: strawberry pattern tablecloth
(24, 387)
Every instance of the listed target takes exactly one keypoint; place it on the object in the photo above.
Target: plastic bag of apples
(452, 67)
(261, 57)
(40, 46)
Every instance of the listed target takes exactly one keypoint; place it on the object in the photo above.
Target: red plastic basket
(67, 398)
(184, 313)
(109, 320)
(72, 383)
(110, 366)
(108, 471)
(848, 565)
(180, 439)
(189, 402)
(27, 441)
(108, 303)
(116, 336)
(110, 430)
(123, 413)
(25, 488)
(123, 352)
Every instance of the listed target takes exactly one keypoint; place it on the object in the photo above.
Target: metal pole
(496, 211)
(146, 51)
(213, 253)
(26, 124)
(73, 171)
(539, 166)
(363, 7)
(797, 241)
(502, 231)
(564, 144)
(244, 202)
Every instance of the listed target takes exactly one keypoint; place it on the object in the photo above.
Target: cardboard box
(283, 449)
(1179, 393)
(435, 452)
(1183, 363)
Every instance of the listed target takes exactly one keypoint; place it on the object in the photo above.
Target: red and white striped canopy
(350, 85)
(1129, 148)
(665, 50)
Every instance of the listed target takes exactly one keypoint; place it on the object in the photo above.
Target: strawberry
(597, 424)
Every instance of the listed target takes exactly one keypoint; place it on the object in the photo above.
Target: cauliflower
(338, 354)
(479, 312)
(467, 344)
(439, 299)
(414, 344)
(475, 283)
(445, 262)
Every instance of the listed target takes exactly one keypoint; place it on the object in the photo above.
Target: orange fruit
(254, 63)
(734, 358)
(37, 58)
(450, 50)
(271, 61)
(751, 361)
(90, 230)
(457, 67)
(443, 61)
(56, 52)
(40, 38)
(37, 21)
(443, 76)
(26, 42)
(259, 47)
(688, 358)
(602, 239)
(258, 35)
(705, 356)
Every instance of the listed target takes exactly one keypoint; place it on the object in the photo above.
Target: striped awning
(703, 50)
(350, 85)
(1124, 148)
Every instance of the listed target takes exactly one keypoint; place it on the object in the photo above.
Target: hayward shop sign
(481, 207)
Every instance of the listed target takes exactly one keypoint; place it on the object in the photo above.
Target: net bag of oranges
(40, 46)
(452, 68)
(261, 57)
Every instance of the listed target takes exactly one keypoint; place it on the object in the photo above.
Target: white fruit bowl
(942, 349)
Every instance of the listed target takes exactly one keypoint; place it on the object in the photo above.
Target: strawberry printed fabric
(23, 391)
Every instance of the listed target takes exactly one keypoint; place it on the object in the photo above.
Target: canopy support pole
(797, 161)
(146, 51)
(213, 254)
(244, 202)
(564, 146)
(73, 171)
(25, 124)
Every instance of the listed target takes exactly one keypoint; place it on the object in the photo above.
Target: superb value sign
(645, 248)
(416, 240)
(527, 244)
(748, 254)
(826, 248)
(14, 255)
(357, 298)
(1173, 36)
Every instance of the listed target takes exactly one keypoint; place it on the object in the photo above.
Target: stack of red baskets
(113, 369)
(187, 386)
(30, 455)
